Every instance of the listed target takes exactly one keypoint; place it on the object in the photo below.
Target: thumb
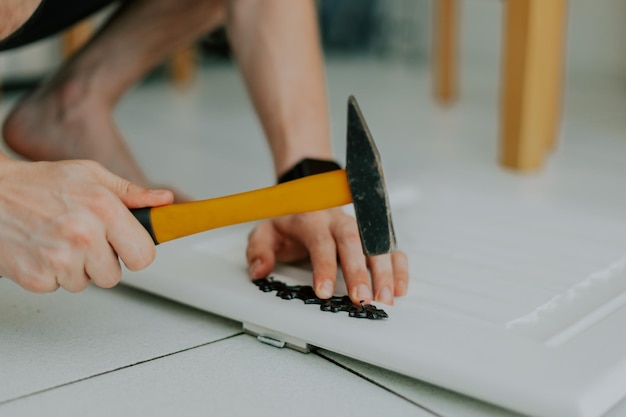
(137, 197)
(133, 195)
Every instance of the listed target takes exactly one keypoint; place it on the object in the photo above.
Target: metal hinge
(277, 339)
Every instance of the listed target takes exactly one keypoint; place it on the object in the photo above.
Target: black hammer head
(367, 185)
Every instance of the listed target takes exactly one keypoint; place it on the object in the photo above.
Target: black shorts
(51, 17)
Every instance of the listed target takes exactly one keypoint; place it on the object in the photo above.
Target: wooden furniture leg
(76, 36)
(531, 81)
(183, 66)
(554, 67)
(445, 41)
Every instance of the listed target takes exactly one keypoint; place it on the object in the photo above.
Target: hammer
(361, 182)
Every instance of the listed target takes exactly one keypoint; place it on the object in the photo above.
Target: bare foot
(51, 126)
(61, 125)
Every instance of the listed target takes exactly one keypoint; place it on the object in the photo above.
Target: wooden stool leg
(183, 66)
(76, 37)
(532, 81)
(445, 50)
(554, 67)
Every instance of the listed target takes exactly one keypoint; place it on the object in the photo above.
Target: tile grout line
(117, 369)
(378, 384)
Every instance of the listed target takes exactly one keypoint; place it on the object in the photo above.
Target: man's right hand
(64, 224)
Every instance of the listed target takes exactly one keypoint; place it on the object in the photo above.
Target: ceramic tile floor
(124, 352)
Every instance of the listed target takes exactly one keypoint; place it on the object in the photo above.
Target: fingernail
(363, 293)
(326, 289)
(384, 296)
(400, 288)
(254, 266)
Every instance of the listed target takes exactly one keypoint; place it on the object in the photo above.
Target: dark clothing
(51, 17)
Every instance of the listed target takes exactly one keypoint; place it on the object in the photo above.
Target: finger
(138, 197)
(38, 284)
(400, 264)
(63, 255)
(323, 255)
(132, 195)
(92, 255)
(353, 261)
(32, 276)
(131, 241)
(127, 236)
(381, 269)
(179, 196)
(74, 283)
(260, 251)
(72, 278)
(102, 265)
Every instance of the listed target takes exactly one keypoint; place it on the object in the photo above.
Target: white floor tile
(54, 339)
(440, 401)
(234, 377)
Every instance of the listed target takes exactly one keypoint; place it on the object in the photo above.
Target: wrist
(307, 167)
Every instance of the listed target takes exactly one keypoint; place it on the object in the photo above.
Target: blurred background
(400, 30)
(381, 51)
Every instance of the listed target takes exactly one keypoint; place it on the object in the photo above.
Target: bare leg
(276, 45)
(70, 115)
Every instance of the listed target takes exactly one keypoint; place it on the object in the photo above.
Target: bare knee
(15, 13)
(217, 12)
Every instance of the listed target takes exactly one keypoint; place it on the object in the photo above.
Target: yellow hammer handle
(316, 192)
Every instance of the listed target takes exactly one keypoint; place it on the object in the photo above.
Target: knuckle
(58, 258)
(37, 282)
(121, 187)
(76, 284)
(400, 262)
(82, 169)
(80, 233)
(39, 286)
(318, 241)
(143, 257)
(110, 282)
(307, 218)
(99, 201)
(355, 269)
(347, 229)
(98, 195)
(252, 251)
(254, 234)
(148, 255)
(89, 165)
(110, 279)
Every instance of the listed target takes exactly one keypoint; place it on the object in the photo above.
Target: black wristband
(307, 167)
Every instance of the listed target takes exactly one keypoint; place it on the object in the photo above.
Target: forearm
(276, 44)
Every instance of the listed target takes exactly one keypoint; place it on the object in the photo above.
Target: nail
(363, 293)
(384, 296)
(326, 289)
